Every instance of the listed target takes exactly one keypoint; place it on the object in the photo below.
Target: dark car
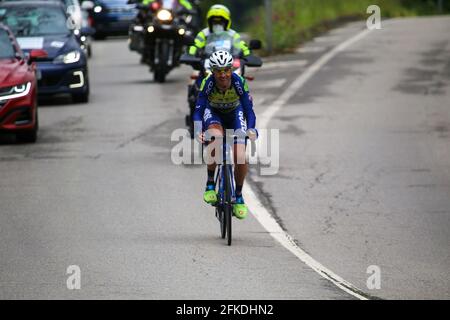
(44, 25)
(109, 17)
(80, 21)
(18, 106)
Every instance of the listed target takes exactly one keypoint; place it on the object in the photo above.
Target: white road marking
(259, 101)
(310, 49)
(327, 38)
(261, 213)
(267, 84)
(283, 64)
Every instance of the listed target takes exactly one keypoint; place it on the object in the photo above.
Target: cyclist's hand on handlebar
(252, 134)
(200, 137)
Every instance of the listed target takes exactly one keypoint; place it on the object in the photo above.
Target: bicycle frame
(224, 182)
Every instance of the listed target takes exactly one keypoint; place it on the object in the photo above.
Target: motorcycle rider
(139, 41)
(224, 102)
(219, 20)
(143, 14)
(184, 3)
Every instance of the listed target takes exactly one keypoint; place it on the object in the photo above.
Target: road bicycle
(225, 188)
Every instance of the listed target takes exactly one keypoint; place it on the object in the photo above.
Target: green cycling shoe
(210, 195)
(240, 209)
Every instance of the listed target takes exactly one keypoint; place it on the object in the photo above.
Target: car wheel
(100, 36)
(28, 136)
(81, 97)
(159, 75)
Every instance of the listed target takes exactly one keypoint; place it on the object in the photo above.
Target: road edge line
(262, 214)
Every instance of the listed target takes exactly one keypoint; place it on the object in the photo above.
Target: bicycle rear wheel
(220, 204)
(227, 203)
(221, 216)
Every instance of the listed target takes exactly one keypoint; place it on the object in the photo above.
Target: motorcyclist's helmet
(220, 14)
(220, 59)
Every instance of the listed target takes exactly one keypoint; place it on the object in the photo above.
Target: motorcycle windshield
(169, 4)
(221, 41)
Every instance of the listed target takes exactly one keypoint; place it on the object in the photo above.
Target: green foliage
(298, 20)
(295, 21)
(239, 9)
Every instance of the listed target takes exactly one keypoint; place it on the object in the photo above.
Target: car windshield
(29, 21)
(6, 48)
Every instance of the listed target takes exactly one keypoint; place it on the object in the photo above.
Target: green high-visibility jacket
(202, 39)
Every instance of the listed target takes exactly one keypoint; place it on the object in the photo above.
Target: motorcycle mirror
(188, 40)
(87, 5)
(253, 61)
(194, 62)
(255, 44)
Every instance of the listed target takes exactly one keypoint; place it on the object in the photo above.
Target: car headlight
(17, 91)
(71, 57)
(20, 88)
(164, 15)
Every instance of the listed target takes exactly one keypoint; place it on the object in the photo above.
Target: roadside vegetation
(296, 21)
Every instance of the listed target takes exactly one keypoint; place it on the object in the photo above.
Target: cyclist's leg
(240, 127)
(214, 133)
(214, 130)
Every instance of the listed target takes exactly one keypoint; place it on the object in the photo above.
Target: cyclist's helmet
(220, 59)
(219, 12)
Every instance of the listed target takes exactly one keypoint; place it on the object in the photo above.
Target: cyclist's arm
(246, 101)
(202, 102)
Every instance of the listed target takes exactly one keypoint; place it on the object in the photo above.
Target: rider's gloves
(252, 134)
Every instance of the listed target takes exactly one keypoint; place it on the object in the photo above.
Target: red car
(18, 86)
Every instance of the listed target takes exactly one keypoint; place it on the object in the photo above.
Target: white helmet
(220, 59)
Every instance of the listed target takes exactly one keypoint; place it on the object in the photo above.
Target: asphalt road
(364, 180)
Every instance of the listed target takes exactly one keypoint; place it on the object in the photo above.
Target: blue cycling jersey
(224, 103)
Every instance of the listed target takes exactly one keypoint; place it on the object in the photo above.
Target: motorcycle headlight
(71, 57)
(164, 15)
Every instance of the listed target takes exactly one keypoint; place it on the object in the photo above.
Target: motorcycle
(201, 67)
(162, 36)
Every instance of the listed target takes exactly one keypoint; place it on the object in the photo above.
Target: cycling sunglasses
(226, 70)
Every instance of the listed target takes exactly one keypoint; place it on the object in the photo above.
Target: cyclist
(224, 102)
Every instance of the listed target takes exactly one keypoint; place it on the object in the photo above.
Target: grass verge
(297, 21)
